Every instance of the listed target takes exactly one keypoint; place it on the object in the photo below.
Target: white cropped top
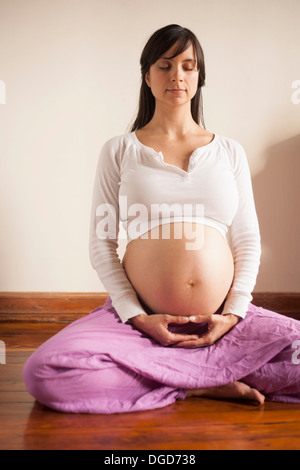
(134, 186)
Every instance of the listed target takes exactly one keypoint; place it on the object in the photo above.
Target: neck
(174, 123)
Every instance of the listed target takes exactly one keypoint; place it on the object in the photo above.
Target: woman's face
(174, 81)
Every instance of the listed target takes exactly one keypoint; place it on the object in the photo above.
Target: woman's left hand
(218, 326)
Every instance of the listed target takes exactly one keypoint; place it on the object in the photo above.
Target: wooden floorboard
(192, 424)
(64, 307)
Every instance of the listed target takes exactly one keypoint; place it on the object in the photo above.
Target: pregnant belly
(186, 274)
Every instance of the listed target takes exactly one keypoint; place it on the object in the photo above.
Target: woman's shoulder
(230, 143)
(233, 147)
(118, 142)
(114, 148)
(234, 151)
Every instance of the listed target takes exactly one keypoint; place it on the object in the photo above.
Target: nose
(177, 75)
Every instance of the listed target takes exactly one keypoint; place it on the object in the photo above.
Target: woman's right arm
(104, 228)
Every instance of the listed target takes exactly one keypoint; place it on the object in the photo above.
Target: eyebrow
(170, 58)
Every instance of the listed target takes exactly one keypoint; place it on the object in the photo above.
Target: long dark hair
(160, 42)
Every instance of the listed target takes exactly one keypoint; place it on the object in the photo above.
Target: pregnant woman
(178, 321)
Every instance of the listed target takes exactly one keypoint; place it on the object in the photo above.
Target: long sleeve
(219, 177)
(104, 230)
(245, 239)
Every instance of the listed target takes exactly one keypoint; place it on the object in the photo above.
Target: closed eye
(188, 65)
(187, 68)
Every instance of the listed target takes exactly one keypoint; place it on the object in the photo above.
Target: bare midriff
(181, 268)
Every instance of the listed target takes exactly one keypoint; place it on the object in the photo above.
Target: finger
(177, 338)
(192, 344)
(204, 341)
(186, 344)
(200, 318)
(180, 319)
(201, 341)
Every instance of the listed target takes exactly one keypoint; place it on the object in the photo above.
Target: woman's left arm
(244, 237)
(246, 250)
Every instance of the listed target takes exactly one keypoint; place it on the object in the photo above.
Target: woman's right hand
(156, 326)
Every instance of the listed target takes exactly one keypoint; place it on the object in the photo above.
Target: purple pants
(100, 365)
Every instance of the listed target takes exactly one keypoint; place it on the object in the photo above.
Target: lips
(176, 90)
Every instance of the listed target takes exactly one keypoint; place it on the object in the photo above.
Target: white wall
(71, 75)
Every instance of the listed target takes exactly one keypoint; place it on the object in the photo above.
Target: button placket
(186, 178)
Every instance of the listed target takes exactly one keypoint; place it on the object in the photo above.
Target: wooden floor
(186, 425)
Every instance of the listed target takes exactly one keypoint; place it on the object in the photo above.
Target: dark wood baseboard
(48, 307)
(286, 303)
(64, 307)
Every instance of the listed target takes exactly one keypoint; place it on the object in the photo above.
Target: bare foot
(234, 390)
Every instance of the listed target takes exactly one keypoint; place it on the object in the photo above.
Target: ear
(147, 79)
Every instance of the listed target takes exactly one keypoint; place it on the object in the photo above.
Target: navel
(191, 283)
